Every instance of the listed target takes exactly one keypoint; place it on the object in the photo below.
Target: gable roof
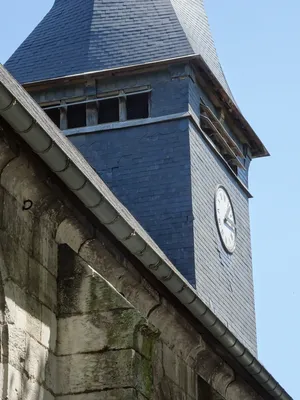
(78, 36)
(32, 125)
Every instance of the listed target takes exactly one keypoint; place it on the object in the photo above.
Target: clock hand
(227, 212)
(226, 219)
(230, 224)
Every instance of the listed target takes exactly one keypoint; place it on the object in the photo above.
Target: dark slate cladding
(148, 167)
(224, 281)
(157, 190)
(166, 175)
(79, 36)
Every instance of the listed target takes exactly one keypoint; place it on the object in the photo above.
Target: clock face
(225, 219)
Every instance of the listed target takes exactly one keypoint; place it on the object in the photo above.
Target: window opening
(108, 111)
(114, 108)
(137, 106)
(54, 115)
(76, 115)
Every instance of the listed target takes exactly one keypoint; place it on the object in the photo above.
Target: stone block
(17, 222)
(82, 289)
(34, 391)
(123, 279)
(222, 377)
(104, 370)
(1, 205)
(45, 248)
(52, 375)
(42, 284)
(174, 329)
(48, 329)
(17, 347)
(35, 360)
(24, 182)
(23, 310)
(237, 390)
(73, 233)
(114, 394)
(11, 383)
(6, 153)
(15, 259)
(14, 385)
(179, 373)
(114, 329)
(168, 390)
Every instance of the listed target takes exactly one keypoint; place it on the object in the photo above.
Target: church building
(125, 258)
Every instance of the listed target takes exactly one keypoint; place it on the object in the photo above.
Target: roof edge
(261, 150)
(258, 148)
(111, 71)
(32, 125)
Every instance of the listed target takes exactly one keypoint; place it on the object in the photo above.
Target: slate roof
(79, 36)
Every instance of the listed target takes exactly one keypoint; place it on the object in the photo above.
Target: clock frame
(225, 219)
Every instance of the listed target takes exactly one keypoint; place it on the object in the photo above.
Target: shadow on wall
(3, 336)
(23, 359)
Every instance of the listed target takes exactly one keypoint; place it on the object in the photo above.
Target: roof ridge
(194, 20)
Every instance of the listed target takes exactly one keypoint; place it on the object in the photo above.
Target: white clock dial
(225, 219)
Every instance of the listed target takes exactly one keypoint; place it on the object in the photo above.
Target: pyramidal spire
(92, 35)
(193, 19)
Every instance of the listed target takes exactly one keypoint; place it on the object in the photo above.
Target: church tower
(137, 87)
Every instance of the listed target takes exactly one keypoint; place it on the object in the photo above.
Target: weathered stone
(49, 329)
(104, 370)
(24, 311)
(12, 383)
(42, 284)
(51, 373)
(175, 330)
(33, 391)
(222, 377)
(83, 290)
(113, 394)
(207, 363)
(178, 372)
(73, 233)
(101, 330)
(94, 253)
(1, 206)
(169, 390)
(6, 153)
(18, 223)
(45, 248)
(35, 360)
(15, 258)
(24, 182)
(17, 347)
(145, 339)
(237, 390)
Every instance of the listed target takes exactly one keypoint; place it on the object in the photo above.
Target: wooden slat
(223, 142)
(222, 131)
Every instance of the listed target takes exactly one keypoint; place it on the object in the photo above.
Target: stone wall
(80, 321)
(28, 283)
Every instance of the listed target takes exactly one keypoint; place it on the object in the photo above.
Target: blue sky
(258, 45)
